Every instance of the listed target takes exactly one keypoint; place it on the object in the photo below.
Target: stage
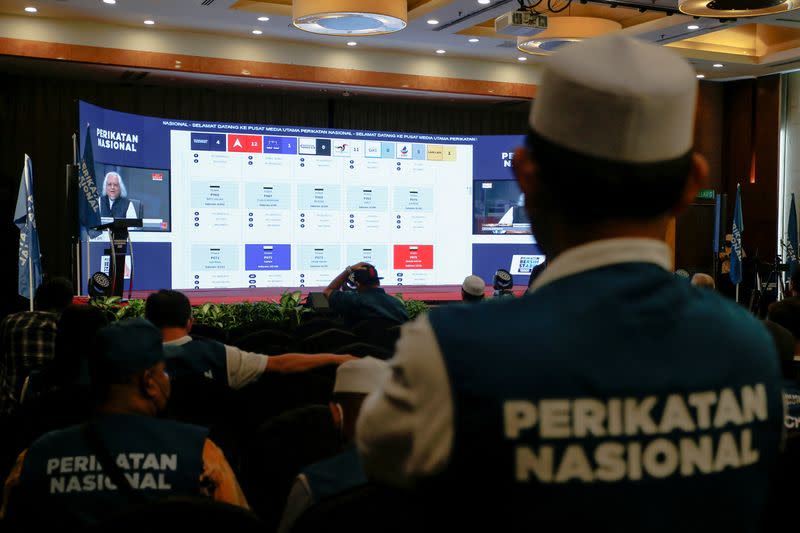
(431, 294)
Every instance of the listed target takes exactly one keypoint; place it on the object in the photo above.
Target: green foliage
(414, 308)
(291, 308)
(288, 310)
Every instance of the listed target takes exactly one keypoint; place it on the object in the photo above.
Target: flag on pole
(737, 253)
(791, 239)
(30, 259)
(88, 197)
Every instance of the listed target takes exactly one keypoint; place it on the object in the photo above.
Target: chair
(379, 332)
(327, 341)
(260, 340)
(362, 349)
(199, 514)
(279, 451)
(362, 510)
(315, 325)
(251, 327)
(209, 332)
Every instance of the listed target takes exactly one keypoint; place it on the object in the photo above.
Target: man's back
(366, 304)
(617, 397)
(61, 472)
(28, 343)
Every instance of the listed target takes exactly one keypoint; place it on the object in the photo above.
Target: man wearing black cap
(662, 411)
(125, 454)
(368, 301)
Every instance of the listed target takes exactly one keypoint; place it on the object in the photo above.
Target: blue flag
(30, 259)
(737, 253)
(88, 195)
(791, 239)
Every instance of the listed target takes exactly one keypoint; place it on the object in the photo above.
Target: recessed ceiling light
(352, 43)
(263, 19)
(484, 1)
(433, 21)
(350, 18)
(474, 40)
(257, 32)
(718, 65)
(522, 59)
(441, 51)
(692, 27)
(700, 76)
(149, 22)
(31, 9)
(112, 2)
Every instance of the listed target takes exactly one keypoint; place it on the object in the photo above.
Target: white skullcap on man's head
(474, 285)
(361, 376)
(616, 97)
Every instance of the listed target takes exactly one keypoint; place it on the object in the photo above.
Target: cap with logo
(642, 110)
(473, 285)
(503, 280)
(360, 376)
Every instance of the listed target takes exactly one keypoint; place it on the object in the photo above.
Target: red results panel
(413, 256)
(244, 143)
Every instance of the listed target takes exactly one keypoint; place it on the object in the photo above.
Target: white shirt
(405, 428)
(243, 367)
(300, 499)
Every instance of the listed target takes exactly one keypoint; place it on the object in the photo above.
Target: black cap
(367, 275)
(126, 348)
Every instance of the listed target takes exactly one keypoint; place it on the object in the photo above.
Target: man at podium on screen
(114, 202)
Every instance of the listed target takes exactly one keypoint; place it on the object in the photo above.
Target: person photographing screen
(367, 301)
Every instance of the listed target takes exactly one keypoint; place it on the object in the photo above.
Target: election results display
(245, 205)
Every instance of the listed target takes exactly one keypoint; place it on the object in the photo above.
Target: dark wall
(751, 151)
(39, 114)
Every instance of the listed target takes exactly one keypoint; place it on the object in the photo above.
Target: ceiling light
(352, 43)
(111, 2)
(565, 30)
(484, 1)
(257, 32)
(718, 65)
(700, 76)
(474, 40)
(350, 17)
(149, 22)
(31, 9)
(433, 21)
(735, 8)
(692, 27)
(440, 51)
(263, 19)
(522, 59)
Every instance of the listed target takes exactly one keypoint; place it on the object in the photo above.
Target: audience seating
(315, 325)
(365, 509)
(199, 514)
(362, 349)
(278, 452)
(258, 341)
(209, 332)
(327, 341)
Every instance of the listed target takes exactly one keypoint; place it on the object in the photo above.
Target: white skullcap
(473, 285)
(361, 375)
(616, 97)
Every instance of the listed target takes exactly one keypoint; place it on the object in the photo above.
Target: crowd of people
(612, 394)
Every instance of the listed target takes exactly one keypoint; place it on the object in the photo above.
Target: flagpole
(28, 221)
(737, 293)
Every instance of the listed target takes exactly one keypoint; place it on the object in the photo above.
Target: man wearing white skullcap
(473, 289)
(354, 380)
(618, 398)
